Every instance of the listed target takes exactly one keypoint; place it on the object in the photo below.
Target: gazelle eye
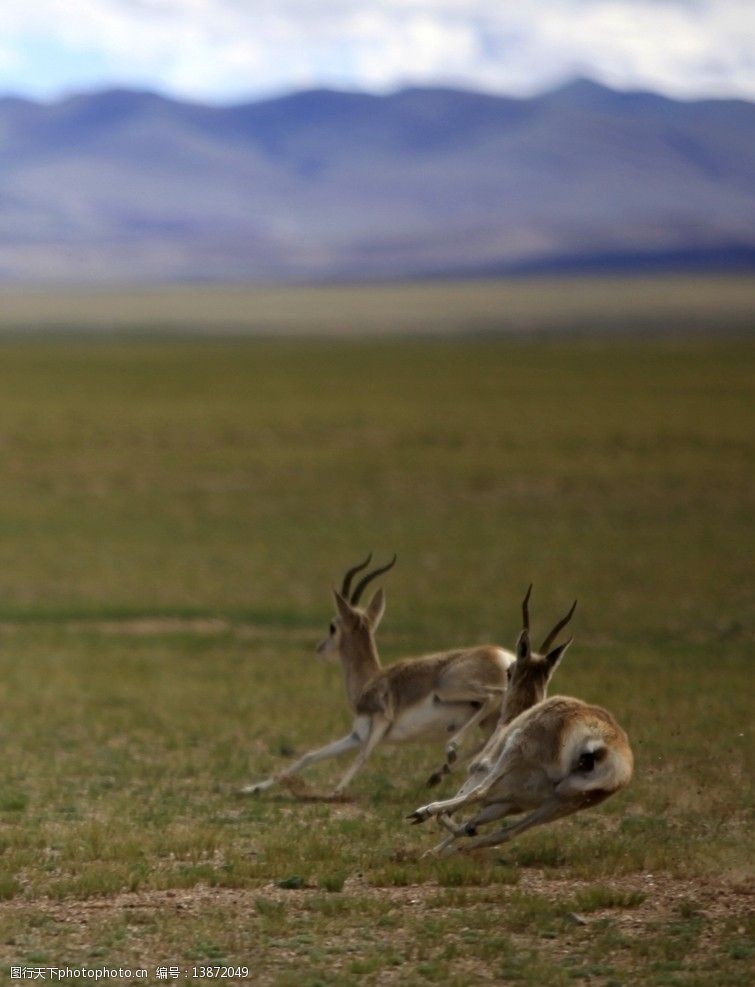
(586, 761)
(332, 627)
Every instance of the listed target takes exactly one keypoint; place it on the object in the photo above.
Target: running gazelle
(554, 759)
(426, 698)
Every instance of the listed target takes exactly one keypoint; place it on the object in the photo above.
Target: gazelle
(556, 758)
(424, 698)
(528, 678)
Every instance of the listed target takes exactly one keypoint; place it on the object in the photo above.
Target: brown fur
(409, 681)
(528, 686)
(548, 732)
(359, 658)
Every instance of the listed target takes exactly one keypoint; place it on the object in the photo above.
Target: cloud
(226, 49)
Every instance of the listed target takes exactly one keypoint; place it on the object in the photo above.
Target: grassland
(171, 515)
(658, 305)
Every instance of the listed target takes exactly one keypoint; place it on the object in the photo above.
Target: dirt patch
(664, 895)
(717, 905)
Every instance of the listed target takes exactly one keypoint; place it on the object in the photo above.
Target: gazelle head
(530, 674)
(351, 623)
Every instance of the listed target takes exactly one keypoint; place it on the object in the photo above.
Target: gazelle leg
(378, 731)
(334, 749)
(493, 811)
(450, 805)
(453, 745)
(445, 820)
(546, 813)
(496, 810)
(458, 831)
(439, 849)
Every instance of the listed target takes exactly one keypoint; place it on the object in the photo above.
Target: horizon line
(568, 82)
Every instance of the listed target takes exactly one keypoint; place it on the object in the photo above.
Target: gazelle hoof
(418, 816)
(439, 851)
(256, 787)
(339, 795)
(435, 779)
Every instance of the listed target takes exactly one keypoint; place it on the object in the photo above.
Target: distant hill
(323, 185)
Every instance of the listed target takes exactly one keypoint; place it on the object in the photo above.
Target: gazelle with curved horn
(528, 679)
(415, 699)
(551, 760)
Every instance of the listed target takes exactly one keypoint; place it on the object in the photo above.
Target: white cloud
(232, 48)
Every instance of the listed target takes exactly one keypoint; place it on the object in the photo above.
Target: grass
(171, 515)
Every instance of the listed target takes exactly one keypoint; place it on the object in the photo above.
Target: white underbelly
(430, 720)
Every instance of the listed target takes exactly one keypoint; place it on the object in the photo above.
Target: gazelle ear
(523, 649)
(376, 609)
(345, 611)
(554, 657)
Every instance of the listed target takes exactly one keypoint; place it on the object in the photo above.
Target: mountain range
(321, 185)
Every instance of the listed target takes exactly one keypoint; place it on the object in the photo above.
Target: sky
(229, 50)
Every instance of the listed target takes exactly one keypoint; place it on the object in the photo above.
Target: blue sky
(224, 50)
